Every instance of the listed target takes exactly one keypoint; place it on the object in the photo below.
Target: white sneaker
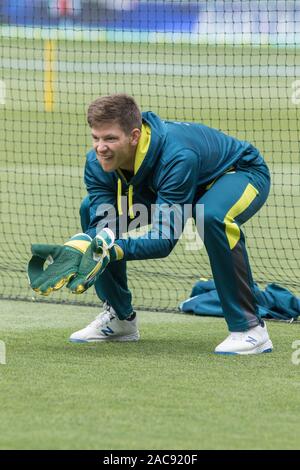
(107, 327)
(253, 341)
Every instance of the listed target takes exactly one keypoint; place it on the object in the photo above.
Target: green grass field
(167, 391)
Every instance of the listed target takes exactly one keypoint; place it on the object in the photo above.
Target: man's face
(114, 148)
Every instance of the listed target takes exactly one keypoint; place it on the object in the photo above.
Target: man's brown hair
(118, 108)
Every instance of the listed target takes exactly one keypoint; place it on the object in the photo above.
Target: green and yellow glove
(63, 263)
(101, 251)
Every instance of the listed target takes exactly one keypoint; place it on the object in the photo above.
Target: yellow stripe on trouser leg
(231, 227)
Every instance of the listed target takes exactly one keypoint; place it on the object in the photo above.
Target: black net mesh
(233, 65)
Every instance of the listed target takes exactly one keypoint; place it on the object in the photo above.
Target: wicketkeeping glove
(63, 263)
(96, 258)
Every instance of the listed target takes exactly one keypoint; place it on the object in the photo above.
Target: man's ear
(135, 135)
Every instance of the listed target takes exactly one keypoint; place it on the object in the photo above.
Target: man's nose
(101, 147)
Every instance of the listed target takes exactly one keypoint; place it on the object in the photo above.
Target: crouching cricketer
(144, 160)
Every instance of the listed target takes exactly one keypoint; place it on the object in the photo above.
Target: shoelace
(104, 317)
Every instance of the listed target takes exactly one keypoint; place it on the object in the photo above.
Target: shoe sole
(135, 337)
(264, 348)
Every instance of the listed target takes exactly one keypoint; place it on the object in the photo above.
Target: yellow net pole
(49, 56)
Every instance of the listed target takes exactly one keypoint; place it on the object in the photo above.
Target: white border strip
(102, 35)
(148, 68)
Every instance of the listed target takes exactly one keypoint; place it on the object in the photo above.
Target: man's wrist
(116, 253)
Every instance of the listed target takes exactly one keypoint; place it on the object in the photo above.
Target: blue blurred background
(276, 20)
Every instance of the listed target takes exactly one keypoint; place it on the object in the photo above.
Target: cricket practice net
(233, 65)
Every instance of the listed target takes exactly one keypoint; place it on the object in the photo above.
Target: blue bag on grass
(274, 302)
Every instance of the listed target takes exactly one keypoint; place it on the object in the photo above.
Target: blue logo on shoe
(251, 340)
(107, 331)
